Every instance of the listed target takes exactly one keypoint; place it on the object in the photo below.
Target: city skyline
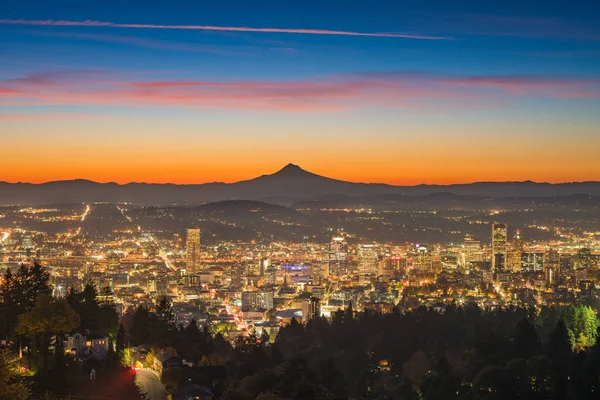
(392, 93)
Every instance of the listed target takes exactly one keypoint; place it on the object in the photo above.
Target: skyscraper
(516, 253)
(472, 252)
(338, 256)
(499, 248)
(367, 259)
(192, 251)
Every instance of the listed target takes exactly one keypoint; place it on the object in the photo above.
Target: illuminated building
(270, 275)
(516, 253)
(583, 259)
(499, 248)
(367, 259)
(397, 257)
(338, 256)
(319, 270)
(532, 262)
(311, 309)
(423, 262)
(551, 266)
(192, 251)
(472, 252)
(449, 261)
(257, 301)
(263, 264)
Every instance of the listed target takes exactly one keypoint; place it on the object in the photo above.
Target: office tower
(551, 266)
(499, 248)
(583, 259)
(236, 274)
(263, 264)
(367, 259)
(192, 251)
(449, 261)
(532, 261)
(311, 309)
(397, 257)
(338, 256)
(257, 301)
(515, 254)
(472, 252)
(423, 262)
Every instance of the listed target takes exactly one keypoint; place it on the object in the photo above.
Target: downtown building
(499, 248)
(192, 251)
(338, 257)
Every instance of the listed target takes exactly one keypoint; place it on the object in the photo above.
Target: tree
(11, 387)
(18, 294)
(49, 317)
(585, 325)
(98, 316)
(120, 343)
(526, 341)
(223, 327)
(559, 351)
(164, 312)
(173, 379)
(140, 332)
(267, 396)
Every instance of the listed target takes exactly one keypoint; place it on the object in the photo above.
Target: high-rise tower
(192, 251)
(499, 248)
(338, 256)
(367, 259)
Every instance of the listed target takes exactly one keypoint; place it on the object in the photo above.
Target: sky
(400, 92)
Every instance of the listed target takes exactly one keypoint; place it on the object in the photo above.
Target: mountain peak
(291, 167)
(291, 170)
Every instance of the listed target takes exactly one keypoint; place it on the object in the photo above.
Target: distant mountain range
(290, 185)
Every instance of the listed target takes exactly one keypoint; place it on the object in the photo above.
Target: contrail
(90, 23)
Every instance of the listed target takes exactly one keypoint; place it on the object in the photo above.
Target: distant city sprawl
(126, 281)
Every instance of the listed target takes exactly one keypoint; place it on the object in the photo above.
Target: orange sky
(402, 149)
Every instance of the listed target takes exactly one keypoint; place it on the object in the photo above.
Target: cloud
(89, 23)
(393, 89)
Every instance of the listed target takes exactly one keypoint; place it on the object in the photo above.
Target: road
(150, 385)
(162, 254)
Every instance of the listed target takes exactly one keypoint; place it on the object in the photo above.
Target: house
(163, 361)
(89, 345)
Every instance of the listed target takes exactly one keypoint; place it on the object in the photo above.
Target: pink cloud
(328, 93)
(89, 23)
(547, 86)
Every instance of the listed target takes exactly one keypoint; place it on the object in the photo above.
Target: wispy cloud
(89, 23)
(394, 89)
